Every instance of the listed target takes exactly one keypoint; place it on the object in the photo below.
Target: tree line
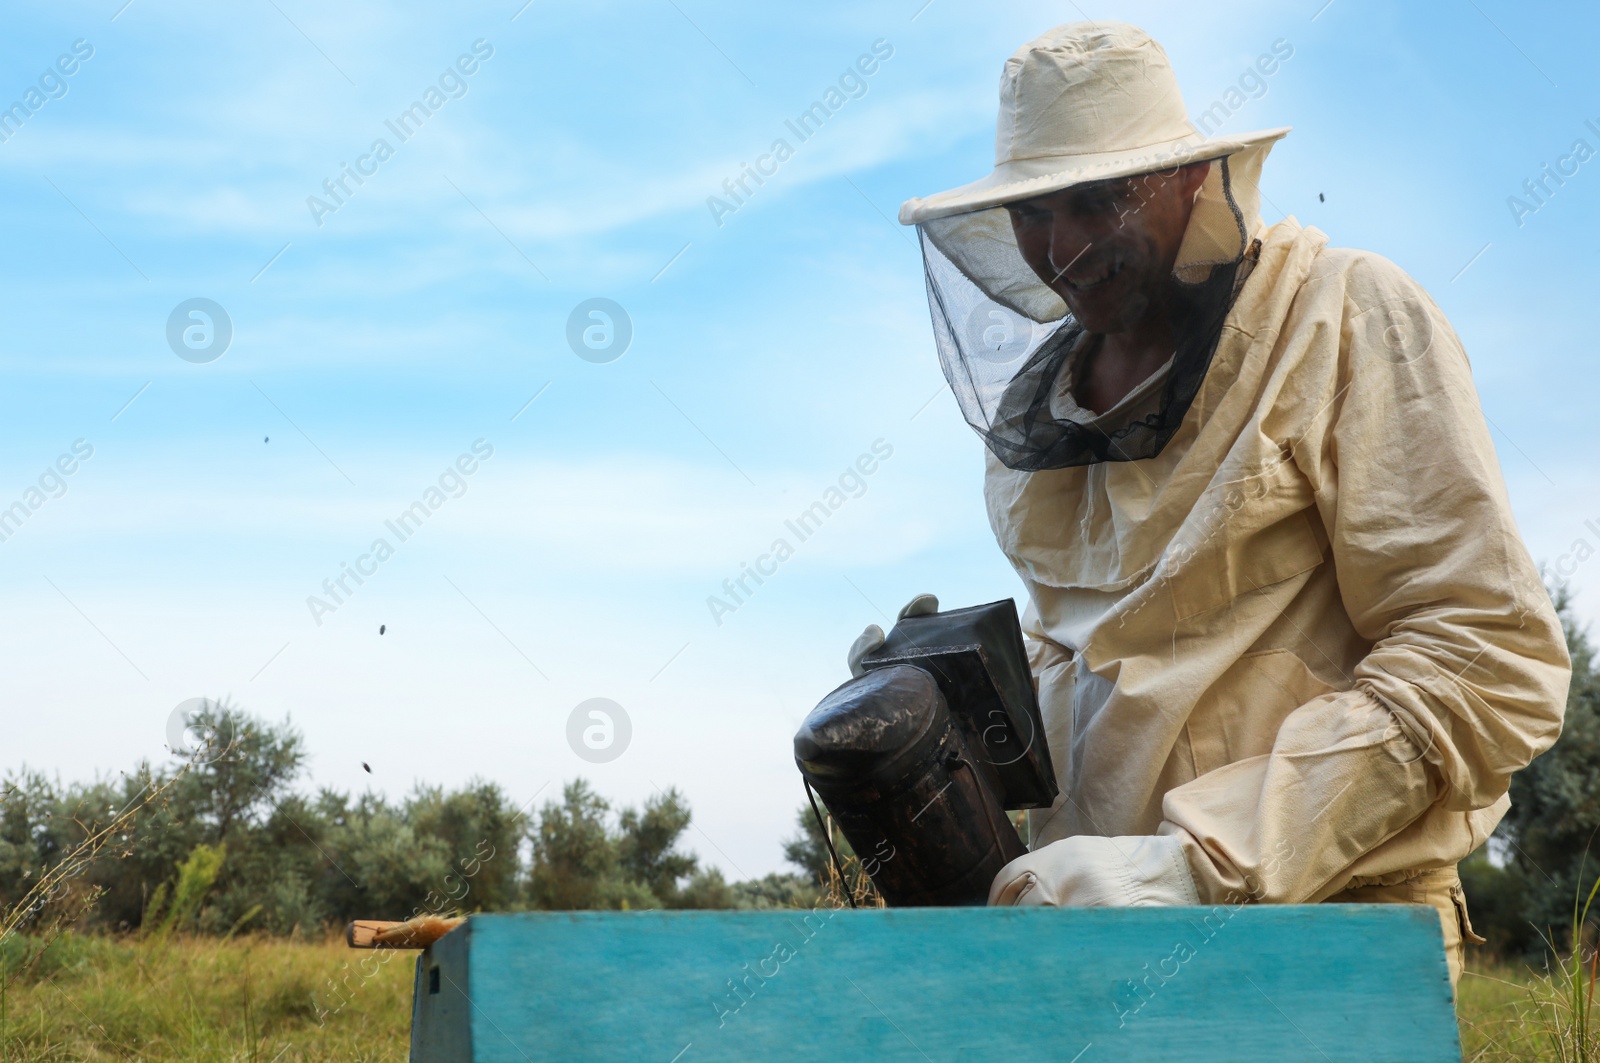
(227, 842)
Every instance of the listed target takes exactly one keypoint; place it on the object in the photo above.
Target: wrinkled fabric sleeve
(1052, 666)
(1467, 676)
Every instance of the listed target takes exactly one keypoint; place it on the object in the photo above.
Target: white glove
(872, 638)
(1093, 872)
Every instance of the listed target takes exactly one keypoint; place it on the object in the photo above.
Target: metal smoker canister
(900, 776)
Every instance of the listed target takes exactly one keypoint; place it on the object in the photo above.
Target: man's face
(1107, 248)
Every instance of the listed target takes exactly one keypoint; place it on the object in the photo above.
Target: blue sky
(768, 352)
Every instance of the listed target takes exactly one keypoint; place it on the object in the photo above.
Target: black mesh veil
(1007, 369)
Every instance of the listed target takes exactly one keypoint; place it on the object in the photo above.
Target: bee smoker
(920, 758)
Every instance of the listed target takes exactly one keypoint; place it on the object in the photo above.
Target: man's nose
(1068, 243)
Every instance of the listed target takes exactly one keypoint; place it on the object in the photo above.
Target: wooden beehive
(1328, 983)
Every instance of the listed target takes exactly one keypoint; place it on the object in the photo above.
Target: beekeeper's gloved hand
(872, 638)
(1092, 872)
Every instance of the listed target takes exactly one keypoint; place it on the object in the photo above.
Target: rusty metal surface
(977, 656)
(905, 784)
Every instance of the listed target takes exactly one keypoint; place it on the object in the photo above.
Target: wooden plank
(1325, 983)
(417, 932)
(363, 933)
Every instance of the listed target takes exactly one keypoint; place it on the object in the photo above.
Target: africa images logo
(199, 330)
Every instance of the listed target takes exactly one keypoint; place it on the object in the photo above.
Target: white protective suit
(1305, 640)
(1289, 646)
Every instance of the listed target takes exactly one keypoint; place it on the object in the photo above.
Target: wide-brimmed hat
(1089, 101)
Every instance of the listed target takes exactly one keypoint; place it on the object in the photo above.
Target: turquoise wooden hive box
(1325, 983)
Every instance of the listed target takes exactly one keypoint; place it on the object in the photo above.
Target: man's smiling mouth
(1088, 278)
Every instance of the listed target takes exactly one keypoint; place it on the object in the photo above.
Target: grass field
(1508, 1014)
(268, 1000)
(264, 1000)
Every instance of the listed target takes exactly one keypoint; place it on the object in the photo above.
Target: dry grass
(1511, 1013)
(856, 887)
(1488, 1002)
(264, 1000)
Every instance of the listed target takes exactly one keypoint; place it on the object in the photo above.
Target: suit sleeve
(1466, 679)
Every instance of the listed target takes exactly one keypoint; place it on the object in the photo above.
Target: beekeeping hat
(1087, 101)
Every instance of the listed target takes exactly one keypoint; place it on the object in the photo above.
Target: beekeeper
(1288, 643)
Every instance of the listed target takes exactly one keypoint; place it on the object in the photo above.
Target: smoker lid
(979, 660)
(869, 722)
